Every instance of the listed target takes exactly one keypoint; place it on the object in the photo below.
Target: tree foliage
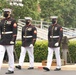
(29, 9)
(64, 9)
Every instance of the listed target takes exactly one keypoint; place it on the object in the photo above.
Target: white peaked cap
(52, 17)
(7, 9)
(28, 18)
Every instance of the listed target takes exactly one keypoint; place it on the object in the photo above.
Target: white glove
(11, 42)
(31, 45)
(56, 44)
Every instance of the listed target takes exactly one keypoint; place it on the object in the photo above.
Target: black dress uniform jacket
(8, 28)
(55, 34)
(29, 35)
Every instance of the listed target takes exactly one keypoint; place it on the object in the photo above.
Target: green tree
(29, 9)
(64, 9)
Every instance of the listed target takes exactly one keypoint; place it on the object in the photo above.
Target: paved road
(66, 70)
(37, 71)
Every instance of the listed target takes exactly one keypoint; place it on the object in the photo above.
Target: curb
(39, 66)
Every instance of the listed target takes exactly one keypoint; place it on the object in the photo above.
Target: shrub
(72, 50)
(41, 50)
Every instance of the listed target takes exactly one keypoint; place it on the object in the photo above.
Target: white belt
(27, 36)
(7, 32)
(54, 36)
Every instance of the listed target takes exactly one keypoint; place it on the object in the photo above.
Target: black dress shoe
(30, 68)
(57, 69)
(45, 68)
(10, 72)
(18, 67)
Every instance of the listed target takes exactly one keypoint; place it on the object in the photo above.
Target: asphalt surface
(38, 70)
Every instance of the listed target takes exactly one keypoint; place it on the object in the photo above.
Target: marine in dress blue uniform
(55, 34)
(8, 28)
(29, 35)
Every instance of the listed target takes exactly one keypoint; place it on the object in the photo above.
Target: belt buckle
(3, 32)
(25, 36)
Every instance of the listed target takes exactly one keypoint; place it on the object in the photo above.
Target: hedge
(41, 50)
(72, 50)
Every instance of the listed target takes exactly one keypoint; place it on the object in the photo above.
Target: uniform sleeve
(60, 33)
(22, 34)
(34, 35)
(0, 26)
(48, 33)
(14, 25)
(0, 29)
